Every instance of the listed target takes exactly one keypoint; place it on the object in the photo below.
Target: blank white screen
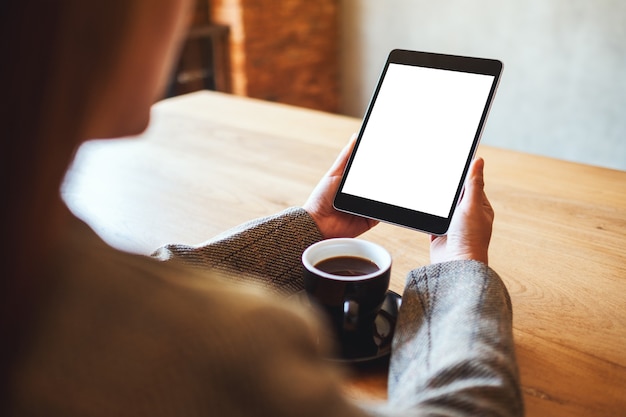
(418, 137)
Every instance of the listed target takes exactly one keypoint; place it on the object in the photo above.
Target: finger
(476, 175)
(477, 187)
(342, 159)
(469, 181)
(475, 181)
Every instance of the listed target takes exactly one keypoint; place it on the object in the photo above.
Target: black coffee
(347, 266)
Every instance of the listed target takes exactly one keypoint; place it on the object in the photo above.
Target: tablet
(418, 138)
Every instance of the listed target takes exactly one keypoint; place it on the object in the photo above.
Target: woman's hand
(470, 230)
(330, 222)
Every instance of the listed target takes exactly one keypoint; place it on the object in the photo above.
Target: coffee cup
(348, 278)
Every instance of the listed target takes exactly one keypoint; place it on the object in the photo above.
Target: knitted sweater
(207, 330)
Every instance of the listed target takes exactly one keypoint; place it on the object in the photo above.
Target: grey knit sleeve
(453, 351)
(265, 250)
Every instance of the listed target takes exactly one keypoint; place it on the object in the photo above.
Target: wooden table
(210, 161)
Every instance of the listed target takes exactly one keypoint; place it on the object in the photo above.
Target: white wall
(563, 91)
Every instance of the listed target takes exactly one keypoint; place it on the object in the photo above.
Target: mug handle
(350, 315)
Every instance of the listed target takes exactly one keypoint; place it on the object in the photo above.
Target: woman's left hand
(330, 222)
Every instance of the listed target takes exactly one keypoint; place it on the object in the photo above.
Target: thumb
(475, 183)
(342, 159)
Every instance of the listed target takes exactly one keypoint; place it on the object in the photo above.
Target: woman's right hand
(470, 230)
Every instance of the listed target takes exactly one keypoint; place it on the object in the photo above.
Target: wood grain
(210, 161)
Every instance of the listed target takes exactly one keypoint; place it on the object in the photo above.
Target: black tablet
(418, 138)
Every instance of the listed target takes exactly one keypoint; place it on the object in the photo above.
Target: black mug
(348, 278)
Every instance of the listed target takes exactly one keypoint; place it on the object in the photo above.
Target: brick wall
(283, 50)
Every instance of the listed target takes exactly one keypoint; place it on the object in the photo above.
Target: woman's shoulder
(113, 321)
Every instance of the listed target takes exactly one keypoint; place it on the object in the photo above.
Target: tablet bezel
(401, 216)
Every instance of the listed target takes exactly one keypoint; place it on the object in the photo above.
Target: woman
(88, 330)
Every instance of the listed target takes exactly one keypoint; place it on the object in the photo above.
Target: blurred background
(562, 94)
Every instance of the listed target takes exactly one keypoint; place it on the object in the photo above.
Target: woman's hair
(56, 57)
